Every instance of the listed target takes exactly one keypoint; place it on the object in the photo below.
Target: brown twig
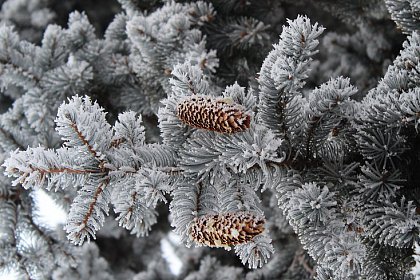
(65, 170)
(83, 139)
(98, 192)
(133, 199)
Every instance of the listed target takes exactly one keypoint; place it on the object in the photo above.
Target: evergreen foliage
(293, 142)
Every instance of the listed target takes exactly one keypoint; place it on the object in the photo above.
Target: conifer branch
(92, 204)
(263, 168)
(84, 141)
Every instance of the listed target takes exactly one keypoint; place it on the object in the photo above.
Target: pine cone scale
(224, 230)
(213, 114)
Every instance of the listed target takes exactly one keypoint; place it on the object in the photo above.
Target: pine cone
(224, 230)
(216, 114)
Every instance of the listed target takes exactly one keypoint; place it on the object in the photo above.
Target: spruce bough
(241, 167)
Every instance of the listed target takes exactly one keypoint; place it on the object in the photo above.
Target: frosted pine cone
(217, 114)
(224, 230)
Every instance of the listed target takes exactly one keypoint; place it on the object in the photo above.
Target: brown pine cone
(216, 114)
(224, 230)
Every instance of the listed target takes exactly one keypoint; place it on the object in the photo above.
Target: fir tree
(220, 122)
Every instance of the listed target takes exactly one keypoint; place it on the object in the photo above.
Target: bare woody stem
(83, 139)
(65, 170)
(133, 201)
(92, 204)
